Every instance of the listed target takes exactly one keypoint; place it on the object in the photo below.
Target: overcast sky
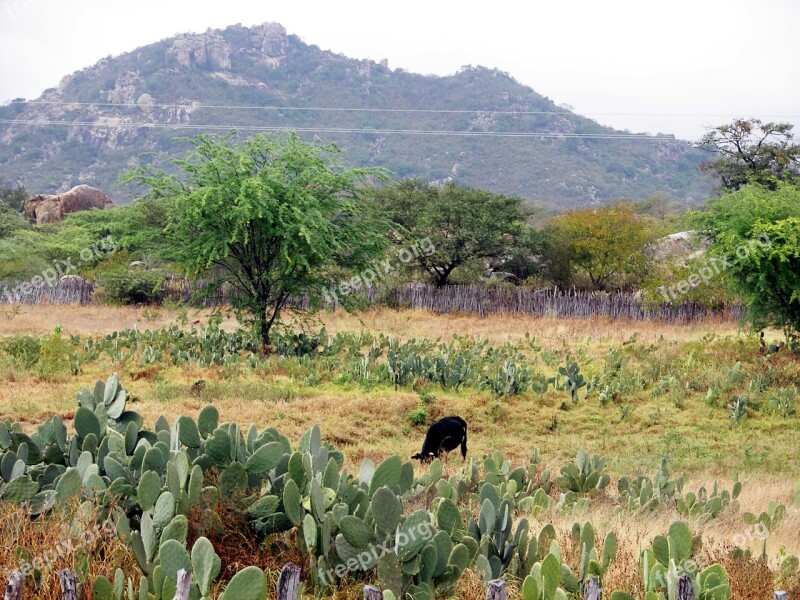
(672, 66)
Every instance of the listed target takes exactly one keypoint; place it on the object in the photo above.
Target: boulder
(48, 208)
(204, 50)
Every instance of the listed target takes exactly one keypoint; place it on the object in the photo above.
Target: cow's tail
(464, 443)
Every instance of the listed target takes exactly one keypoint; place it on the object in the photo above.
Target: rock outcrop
(271, 40)
(48, 208)
(205, 50)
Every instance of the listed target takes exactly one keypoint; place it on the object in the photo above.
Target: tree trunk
(265, 327)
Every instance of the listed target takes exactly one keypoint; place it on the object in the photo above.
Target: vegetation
(458, 224)
(752, 152)
(606, 244)
(554, 171)
(273, 218)
(756, 232)
(173, 494)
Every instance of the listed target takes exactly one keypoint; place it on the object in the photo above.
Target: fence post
(780, 595)
(591, 590)
(685, 588)
(184, 585)
(372, 593)
(289, 582)
(69, 589)
(497, 590)
(14, 587)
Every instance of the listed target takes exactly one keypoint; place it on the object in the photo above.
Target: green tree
(603, 242)
(755, 234)
(751, 151)
(12, 197)
(273, 217)
(458, 224)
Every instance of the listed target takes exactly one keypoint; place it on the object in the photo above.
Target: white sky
(671, 66)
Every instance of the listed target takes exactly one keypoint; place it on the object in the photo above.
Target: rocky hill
(106, 118)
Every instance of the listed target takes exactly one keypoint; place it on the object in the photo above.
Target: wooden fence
(474, 299)
(288, 587)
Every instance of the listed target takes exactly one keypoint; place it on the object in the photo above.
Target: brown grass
(371, 423)
(55, 542)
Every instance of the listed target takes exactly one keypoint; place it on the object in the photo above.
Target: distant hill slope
(100, 120)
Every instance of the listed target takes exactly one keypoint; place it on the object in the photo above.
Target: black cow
(443, 436)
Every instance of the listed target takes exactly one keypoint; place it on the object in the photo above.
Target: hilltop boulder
(49, 208)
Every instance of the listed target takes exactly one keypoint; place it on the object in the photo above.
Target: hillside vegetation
(98, 122)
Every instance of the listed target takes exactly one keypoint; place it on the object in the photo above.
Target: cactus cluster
(585, 474)
(644, 494)
(146, 482)
(668, 559)
(704, 506)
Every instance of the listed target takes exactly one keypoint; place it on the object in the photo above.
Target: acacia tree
(273, 217)
(755, 234)
(751, 151)
(461, 223)
(603, 242)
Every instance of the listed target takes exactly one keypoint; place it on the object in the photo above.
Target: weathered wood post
(780, 595)
(685, 588)
(69, 589)
(289, 582)
(372, 593)
(497, 590)
(591, 590)
(14, 587)
(184, 585)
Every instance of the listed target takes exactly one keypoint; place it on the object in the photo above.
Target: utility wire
(422, 132)
(563, 112)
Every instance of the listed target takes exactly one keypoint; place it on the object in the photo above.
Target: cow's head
(425, 458)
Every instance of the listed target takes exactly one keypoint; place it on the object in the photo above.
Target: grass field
(662, 408)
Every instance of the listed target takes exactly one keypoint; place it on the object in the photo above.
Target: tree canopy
(755, 232)
(751, 151)
(461, 223)
(603, 242)
(12, 197)
(274, 217)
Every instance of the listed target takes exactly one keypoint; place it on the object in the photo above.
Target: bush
(25, 350)
(123, 286)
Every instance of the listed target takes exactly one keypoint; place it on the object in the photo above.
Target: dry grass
(404, 324)
(371, 423)
(56, 542)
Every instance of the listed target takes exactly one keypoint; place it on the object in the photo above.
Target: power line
(564, 112)
(421, 132)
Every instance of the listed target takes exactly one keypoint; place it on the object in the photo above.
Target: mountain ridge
(508, 138)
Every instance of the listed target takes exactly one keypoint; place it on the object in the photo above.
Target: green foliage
(124, 286)
(12, 199)
(445, 227)
(604, 243)
(668, 559)
(559, 171)
(585, 474)
(272, 217)
(751, 151)
(645, 494)
(24, 349)
(756, 235)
